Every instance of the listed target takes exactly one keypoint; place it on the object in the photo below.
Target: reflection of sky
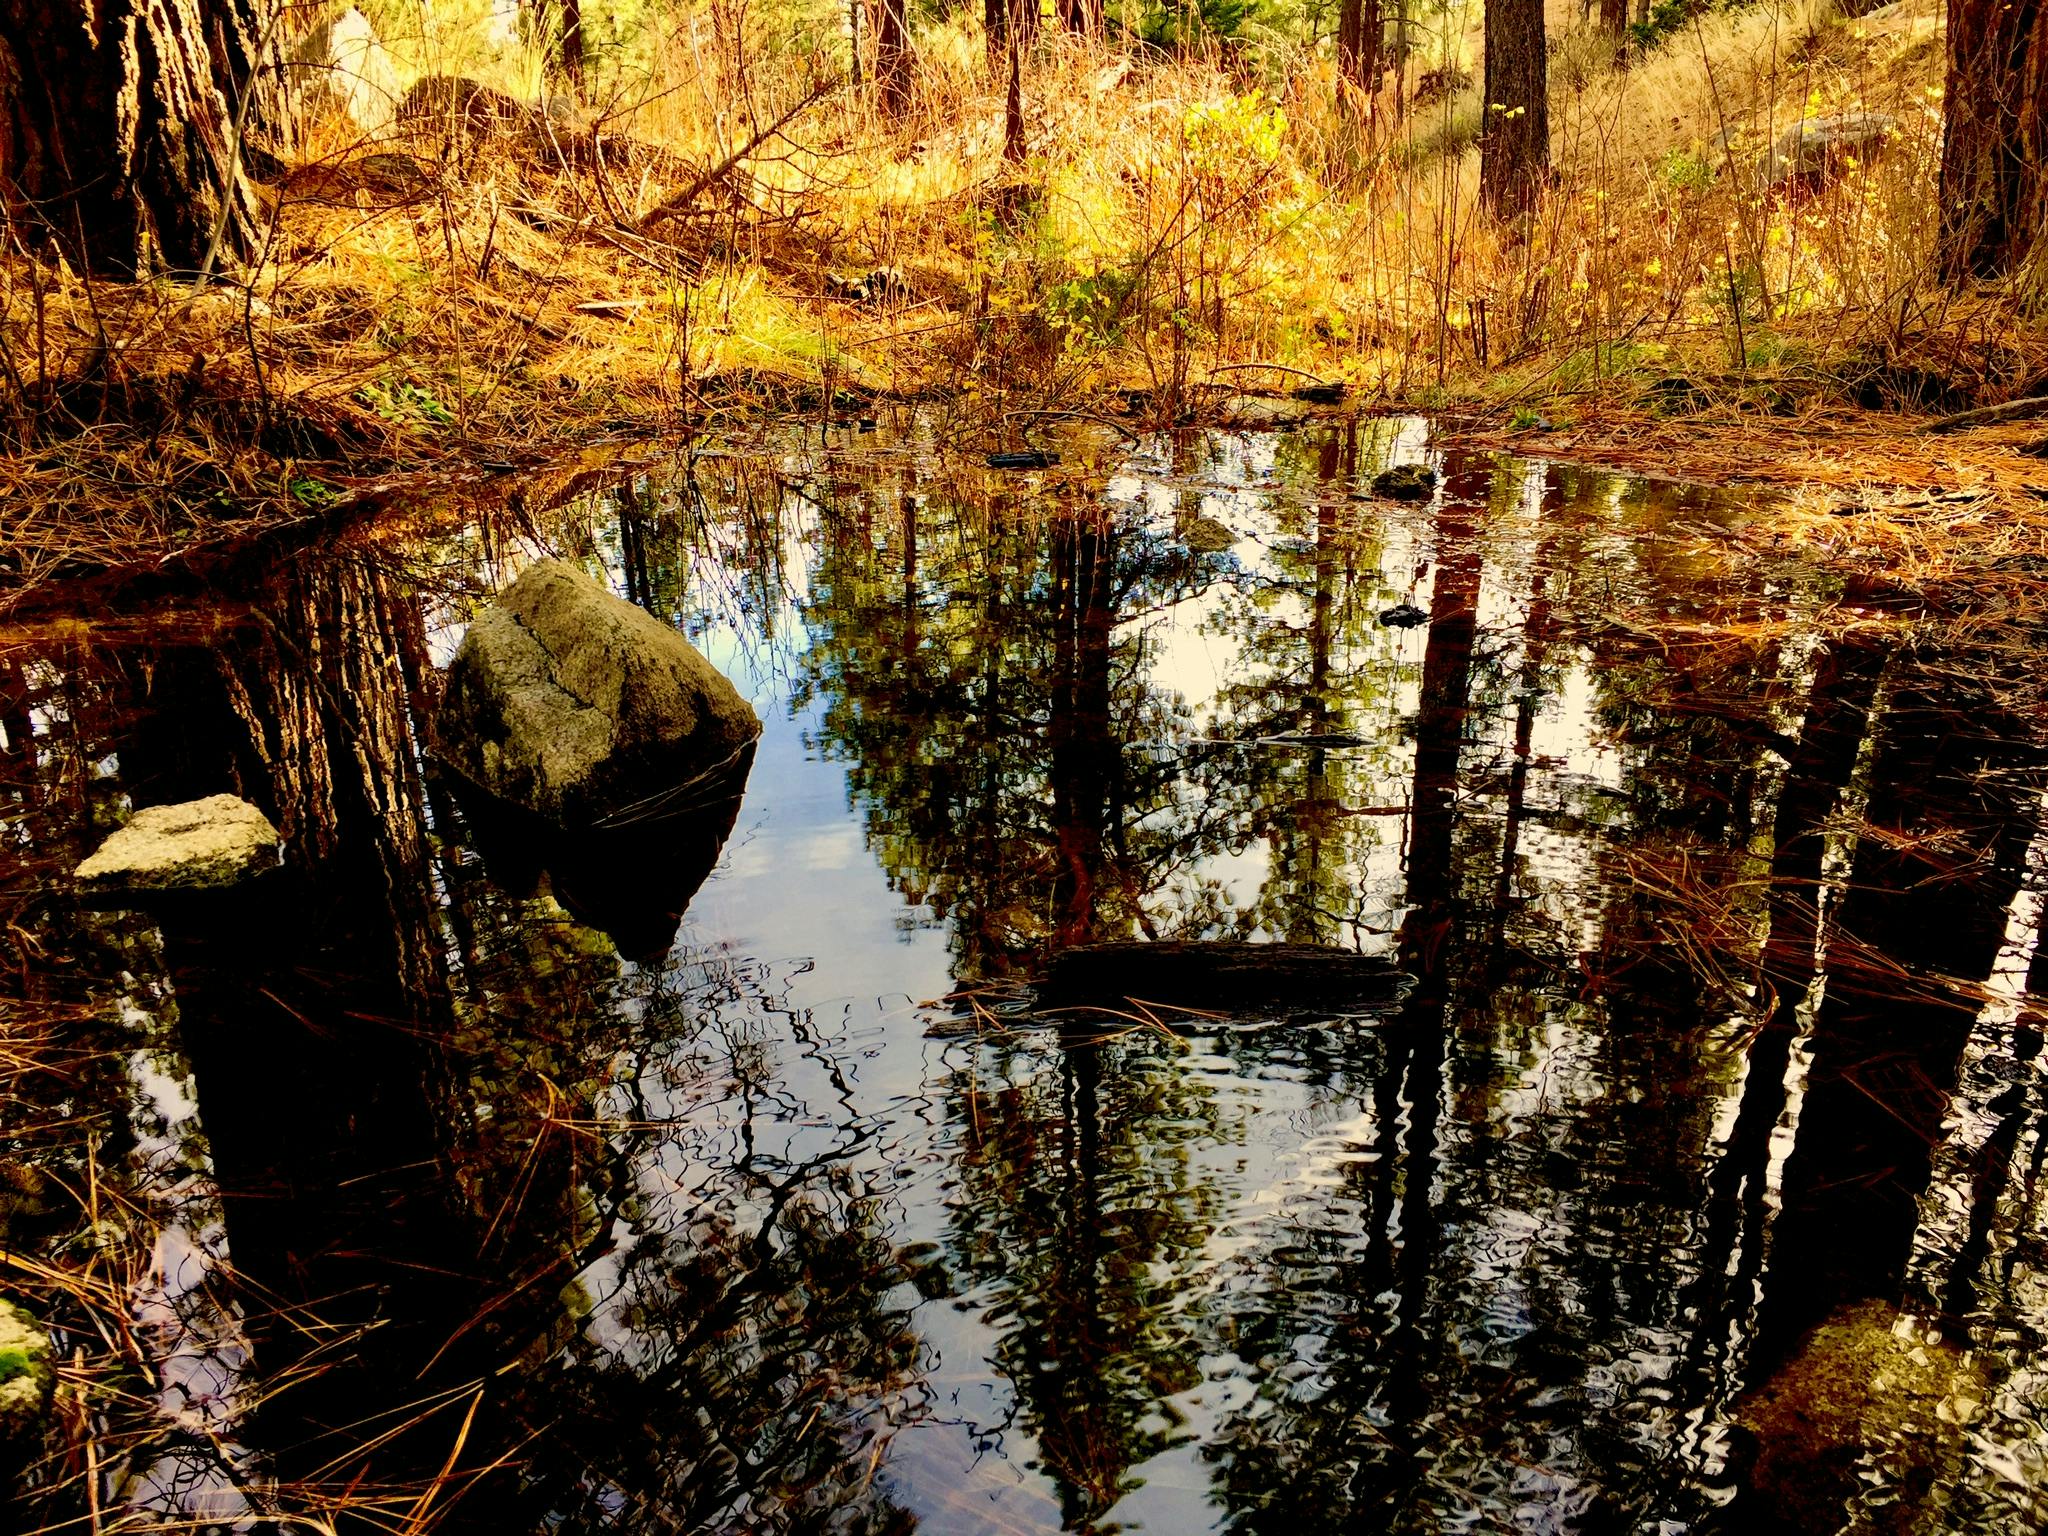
(801, 965)
(799, 889)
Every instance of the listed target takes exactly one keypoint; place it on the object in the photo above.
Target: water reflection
(1720, 895)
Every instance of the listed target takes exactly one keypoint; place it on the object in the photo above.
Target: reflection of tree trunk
(1440, 725)
(1410, 1093)
(1083, 750)
(1837, 717)
(1991, 1171)
(1928, 893)
(1080, 1436)
(313, 1011)
(1538, 629)
(633, 551)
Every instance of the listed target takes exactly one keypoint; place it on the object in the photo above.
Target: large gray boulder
(1814, 151)
(342, 66)
(585, 710)
(195, 845)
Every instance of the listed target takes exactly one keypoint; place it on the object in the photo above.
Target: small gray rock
(196, 845)
(1206, 536)
(575, 705)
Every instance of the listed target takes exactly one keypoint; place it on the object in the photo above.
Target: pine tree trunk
(1514, 142)
(1083, 18)
(892, 58)
(572, 45)
(1994, 156)
(1614, 26)
(118, 128)
(1358, 43)
(1003, 19)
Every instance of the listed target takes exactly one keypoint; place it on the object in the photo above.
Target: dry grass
(684, 243)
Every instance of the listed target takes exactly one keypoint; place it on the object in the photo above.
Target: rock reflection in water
(1718, 894)
(404, 1077)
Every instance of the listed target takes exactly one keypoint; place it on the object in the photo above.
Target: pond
(1690, 1180)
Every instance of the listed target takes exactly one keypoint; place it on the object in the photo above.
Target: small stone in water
(26, 1378)
(1403, 616)
(195, 845)
(1405, 482)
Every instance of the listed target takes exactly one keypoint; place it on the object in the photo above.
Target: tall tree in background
(1358, 43)
(1514, 140)
(1614, 26)
(118, 127)
(1005, 20)
(1994, 154)
(572, 45)
(892, 57)
(1084, 18)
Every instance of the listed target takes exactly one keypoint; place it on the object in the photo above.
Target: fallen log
(1222, 977)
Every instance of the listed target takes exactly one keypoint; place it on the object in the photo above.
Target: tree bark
(1994, 156)
(892, 57)
(1359, 29)
(1514, 142)
(1614, 26)
(1003, 20)
(572, 44)
(118, 128)
(1013, 111)
(1083, 18)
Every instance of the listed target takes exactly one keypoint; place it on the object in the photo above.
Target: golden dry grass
(1179, 223)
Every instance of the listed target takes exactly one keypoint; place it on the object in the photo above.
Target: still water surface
(1719, 883)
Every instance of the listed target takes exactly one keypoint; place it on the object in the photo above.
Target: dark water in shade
(1720, 885)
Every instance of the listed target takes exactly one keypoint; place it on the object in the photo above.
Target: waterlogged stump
(1222, 978)
(196, 845)
(588, 712)
(1870, 1400)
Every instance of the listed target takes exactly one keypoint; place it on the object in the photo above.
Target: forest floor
(481, 301)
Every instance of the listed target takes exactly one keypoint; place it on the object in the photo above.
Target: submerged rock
(1206, 536)
(196, 845)
(26, 1380)
(574, 705)
(633, 884)
(1403, 616)
(1405, 482)
(1870, 1399)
